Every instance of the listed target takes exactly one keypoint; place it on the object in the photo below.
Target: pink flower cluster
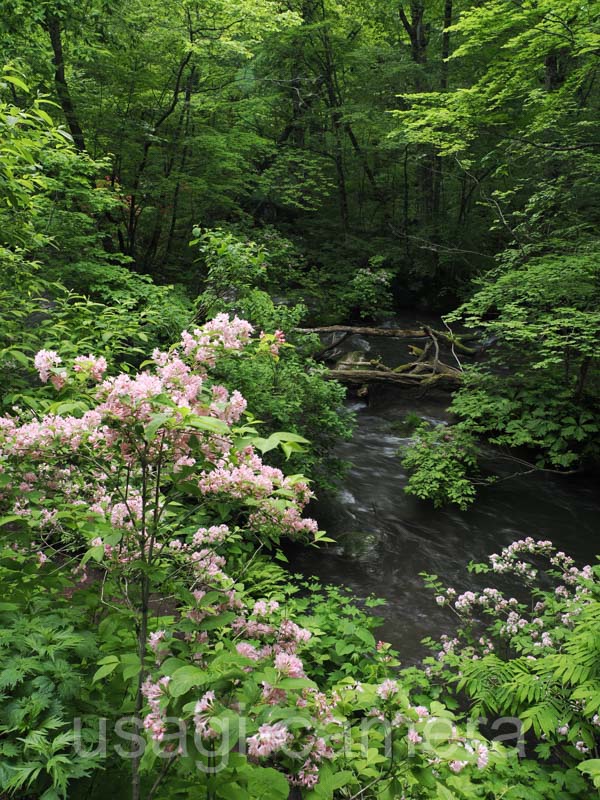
(227, 407)
(216, 534)
(287, 521)
(155, 639)
(221, 332)
(203, 711)
(109, 435)
(243, 476)
(308, 775)
(508, 560)
(387, 689)
(208, 567)
(286, 638)
(291, 635)
(265, 608)
(289, 665)
(45, 361)
(154, 722)
(94, 367)
(268, 740)
(35, 438)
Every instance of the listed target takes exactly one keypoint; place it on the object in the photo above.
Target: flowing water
(384, 538)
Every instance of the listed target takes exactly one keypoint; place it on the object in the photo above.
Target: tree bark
(60, 81)
(446, 44)
(133, 210)
(399, 333)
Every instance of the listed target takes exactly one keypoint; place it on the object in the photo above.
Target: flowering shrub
(252, 712)
(286, 392)
(147, 486)
(534, 657)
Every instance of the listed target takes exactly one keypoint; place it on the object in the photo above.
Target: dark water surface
(385, 538)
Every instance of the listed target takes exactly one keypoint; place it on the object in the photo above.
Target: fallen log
(396, 333)
(424, 371)
(364, 376)
(399, 333)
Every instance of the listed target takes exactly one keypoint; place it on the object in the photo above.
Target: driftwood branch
(425, 370)
(399, 333)
(395, 333)
(362, 376)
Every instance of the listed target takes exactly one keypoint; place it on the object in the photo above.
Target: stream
(384, 537)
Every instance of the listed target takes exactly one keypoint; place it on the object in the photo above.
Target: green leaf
(96, 552)
(16, 82)
(591, 767)
(296, 683)
(186, 678)
(157, 421)
(106, 669)
(266, 783)
(9, 518)
(443, 793)
(218, 621)
(210, 424)
(232, 791)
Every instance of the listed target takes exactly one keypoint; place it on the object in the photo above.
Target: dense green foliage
(274, 120)
(545, 316)
(441, 462)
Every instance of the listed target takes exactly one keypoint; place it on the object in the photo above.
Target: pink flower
(273, 696)
(413, 737)
(387, 689)
(202, 714)
(213, 535)
(482, 756)
(155, 639)
(205, 703)
(289, 665)
(268, 740)
(58, 380)
(154, 721)
(95, 367)
(292, 633)
(264, 608)
(247, 650)
(44, 361)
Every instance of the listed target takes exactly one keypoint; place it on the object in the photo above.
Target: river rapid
(384, 538)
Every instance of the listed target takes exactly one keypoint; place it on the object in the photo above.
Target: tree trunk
(446, 44)
(60, 81)
(134, 212)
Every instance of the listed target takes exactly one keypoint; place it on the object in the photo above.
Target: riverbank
(385, 538)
